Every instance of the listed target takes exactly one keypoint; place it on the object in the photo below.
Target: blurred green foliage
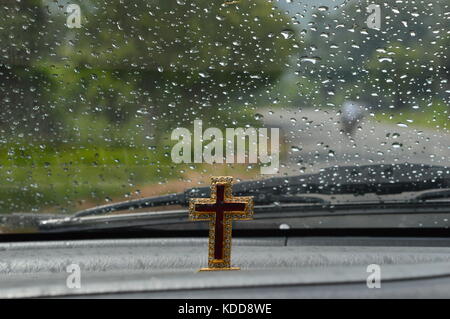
(43, 177)
(86, 114)
(436, 115)
(172, 63)
(404, 63)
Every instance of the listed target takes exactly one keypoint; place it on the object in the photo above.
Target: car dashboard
(271, 267)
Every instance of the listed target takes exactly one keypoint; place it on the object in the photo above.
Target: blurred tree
(170, 62)
(353, 60)
(25, 85)
(402, 73)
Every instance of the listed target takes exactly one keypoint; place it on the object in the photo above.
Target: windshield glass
(110, 100)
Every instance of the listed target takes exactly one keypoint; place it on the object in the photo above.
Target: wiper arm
(158, 201)
(357, 180)
(182, 199)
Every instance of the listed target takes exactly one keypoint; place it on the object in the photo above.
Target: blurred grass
(436, 116)
(35, 178)
(102, 163)
(47, 179)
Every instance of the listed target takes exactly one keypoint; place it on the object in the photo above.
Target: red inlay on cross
(220, 207)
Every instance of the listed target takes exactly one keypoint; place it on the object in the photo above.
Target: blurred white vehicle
(352, 113)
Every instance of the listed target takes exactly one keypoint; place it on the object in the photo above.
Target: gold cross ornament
(220, 210)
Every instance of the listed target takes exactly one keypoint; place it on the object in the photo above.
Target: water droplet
(258, 116)
(312, 60)
(287, 33)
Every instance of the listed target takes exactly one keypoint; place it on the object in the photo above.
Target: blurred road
(313, 141)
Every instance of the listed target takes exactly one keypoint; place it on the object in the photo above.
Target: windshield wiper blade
(357, 180)
(441, 194)
(268, 217)
(182, 199)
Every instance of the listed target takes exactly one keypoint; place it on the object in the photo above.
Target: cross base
(215, 269)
